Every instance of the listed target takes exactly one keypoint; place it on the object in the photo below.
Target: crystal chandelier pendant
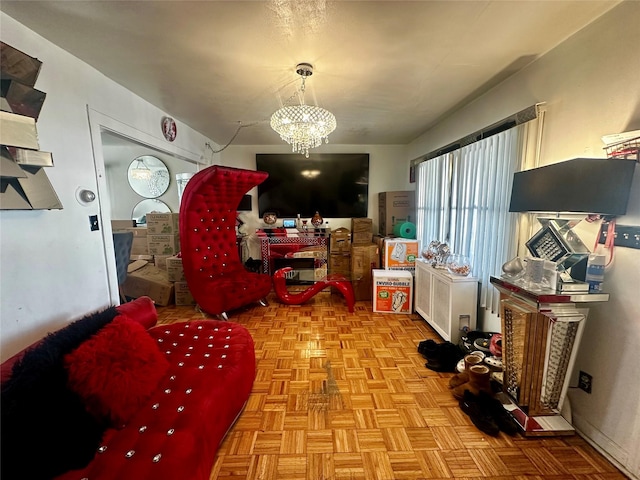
(303, 126)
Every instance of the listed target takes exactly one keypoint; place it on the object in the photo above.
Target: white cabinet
(448, 303)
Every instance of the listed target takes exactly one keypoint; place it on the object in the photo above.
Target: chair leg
(223, 316)
(263, 302)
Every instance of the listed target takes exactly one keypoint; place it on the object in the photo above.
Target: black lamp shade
(589, 185)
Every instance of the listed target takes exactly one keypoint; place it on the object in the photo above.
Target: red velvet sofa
(113, 395)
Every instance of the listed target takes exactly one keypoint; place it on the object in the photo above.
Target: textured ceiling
(387, 70)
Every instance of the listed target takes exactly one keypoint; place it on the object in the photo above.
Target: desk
(272, 247)
(541, 332)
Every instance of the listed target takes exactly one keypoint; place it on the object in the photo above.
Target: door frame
(100, 123)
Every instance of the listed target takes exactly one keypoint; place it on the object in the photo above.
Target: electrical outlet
(585, 381)
(93, 221)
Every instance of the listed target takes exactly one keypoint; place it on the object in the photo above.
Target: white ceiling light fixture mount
(303, 126)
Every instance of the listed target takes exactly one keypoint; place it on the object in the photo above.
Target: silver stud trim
(226, 346)
(167, 391)
(200, 327)
(219, 366)
(200, 367)
(130, 453)
(170, 431)
(160, 340)
(180, 408)
(102, 449)
(142, 429)
(155, 406)
(188, 391)
(207, 355)
(224, 356)
(156, 458)
(181, 364)
(172, 378)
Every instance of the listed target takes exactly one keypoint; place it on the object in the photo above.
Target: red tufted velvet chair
(213, 270)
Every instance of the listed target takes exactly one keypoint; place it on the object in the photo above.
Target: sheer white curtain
(433, 190)
(463, 198)
(481, 226)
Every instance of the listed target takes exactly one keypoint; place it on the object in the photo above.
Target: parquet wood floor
(342, 396)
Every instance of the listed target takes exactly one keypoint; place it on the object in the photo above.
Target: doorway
(115, 146)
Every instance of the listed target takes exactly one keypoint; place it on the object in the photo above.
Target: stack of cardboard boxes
(393, 285)
(352, 254)
(161, 277)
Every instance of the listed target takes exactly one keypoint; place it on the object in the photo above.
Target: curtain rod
(523, 116)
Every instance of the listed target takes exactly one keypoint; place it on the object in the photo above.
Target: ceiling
(388, 70)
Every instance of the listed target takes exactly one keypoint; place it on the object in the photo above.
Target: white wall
(591, 84)
(52, 267)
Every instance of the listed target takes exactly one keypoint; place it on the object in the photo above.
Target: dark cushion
(46, 429)
(117, 370)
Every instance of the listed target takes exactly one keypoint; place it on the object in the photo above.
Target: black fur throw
(46, 430)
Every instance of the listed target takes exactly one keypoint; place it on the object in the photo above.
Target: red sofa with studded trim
(113, 395)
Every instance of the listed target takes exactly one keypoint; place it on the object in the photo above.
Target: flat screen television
(334, 184)
(589, 185)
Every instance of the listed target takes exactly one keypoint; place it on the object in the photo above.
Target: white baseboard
(604, 445)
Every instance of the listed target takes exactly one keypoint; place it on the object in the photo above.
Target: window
(463, 199)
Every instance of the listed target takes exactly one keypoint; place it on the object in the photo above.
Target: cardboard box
(400, 254)
(395, 208)
(392, 291)
(340, 264)
(174, 269)
(163, 244)
(361, 225)
(361, 231)
(139, 246)
(119, 225)
(182, 294)
(162, 223)
(364, 259)
(340, 241)
(150, 281)
(160, 261)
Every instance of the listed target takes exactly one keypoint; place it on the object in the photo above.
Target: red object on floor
(341, 282)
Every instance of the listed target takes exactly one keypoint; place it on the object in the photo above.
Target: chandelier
(303, 126)
(140, 171)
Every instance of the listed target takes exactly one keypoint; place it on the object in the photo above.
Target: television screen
(589, 185)
(335, 185)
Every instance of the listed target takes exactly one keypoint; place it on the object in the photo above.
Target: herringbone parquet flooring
(342, 396)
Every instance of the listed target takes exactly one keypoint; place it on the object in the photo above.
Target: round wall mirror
(148, 176)
(150, 205)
